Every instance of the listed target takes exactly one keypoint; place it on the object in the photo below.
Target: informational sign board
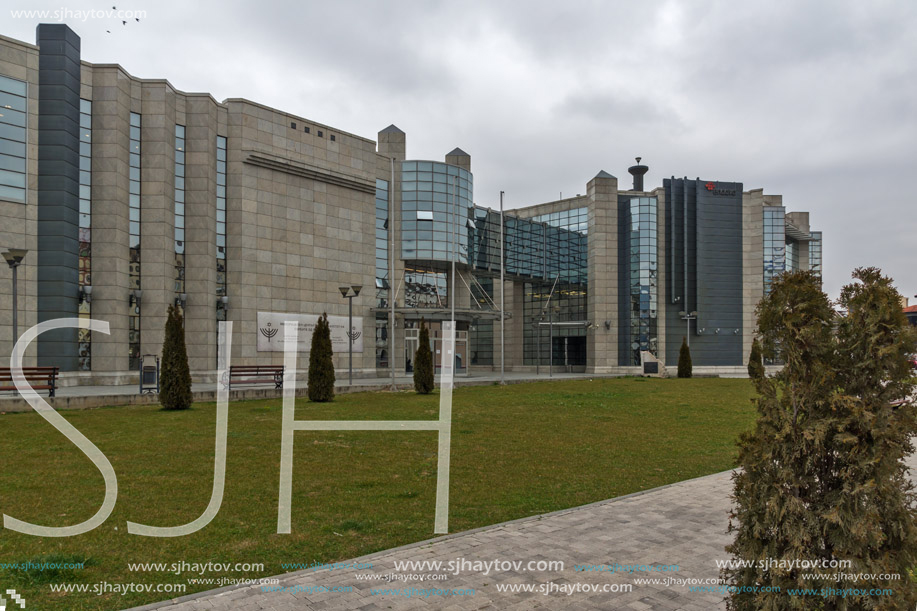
(270, 331)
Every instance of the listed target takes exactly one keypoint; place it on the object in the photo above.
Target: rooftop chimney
(638, 171)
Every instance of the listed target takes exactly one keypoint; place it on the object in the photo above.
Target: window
(319, 133)
(775, 244)
(221, 231)
(133, 340)
(179, 286)
(332, 138)
(292, 125)
(13, 124)
(85, 229)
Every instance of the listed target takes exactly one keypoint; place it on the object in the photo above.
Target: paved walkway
(681, 524)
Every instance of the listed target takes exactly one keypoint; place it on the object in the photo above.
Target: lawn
(517, 451)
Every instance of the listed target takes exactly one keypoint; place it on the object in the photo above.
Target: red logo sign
(710, 186)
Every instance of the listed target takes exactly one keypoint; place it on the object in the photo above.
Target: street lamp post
(502, 303)
(685, 316)
(351, 336)
(14, 257)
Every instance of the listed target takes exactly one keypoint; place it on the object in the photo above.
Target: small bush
(423, 363)
(684, 360)
(175, 376)
(321, 365)
(756, 361)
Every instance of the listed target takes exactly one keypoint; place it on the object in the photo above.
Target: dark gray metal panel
(719, 274)
(58, 190)
(680, 239)
(713, 220)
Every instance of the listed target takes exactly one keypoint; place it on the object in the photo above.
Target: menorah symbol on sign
(269, 332)
(353, 335)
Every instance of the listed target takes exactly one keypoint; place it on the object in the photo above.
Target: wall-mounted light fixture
(134, 296)
(608, 325)
(223, 302)
(181, 299)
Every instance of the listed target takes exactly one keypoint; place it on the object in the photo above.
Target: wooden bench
(254, 374)
(39, 378)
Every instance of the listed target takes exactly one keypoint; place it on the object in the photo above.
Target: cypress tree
(175, 376)
(423, 362)
(321, 365)
(755, 360)
(684, 360)
(822, 475)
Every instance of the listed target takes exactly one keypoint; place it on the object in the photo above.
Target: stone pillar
(392, 143)
(752, 264)
(111, 108)
(157, 212)
(459, 158)
(515, 326)
(511, 339)
(200, 232)
(602, 201)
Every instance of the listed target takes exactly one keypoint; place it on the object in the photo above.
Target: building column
(752, 264)
(111, 108)
(58, 192)
(157, 213)
(602, 343)
(200, 233)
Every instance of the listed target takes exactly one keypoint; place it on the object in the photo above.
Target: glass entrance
(412, 342)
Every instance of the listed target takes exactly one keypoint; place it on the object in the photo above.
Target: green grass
(517, 451)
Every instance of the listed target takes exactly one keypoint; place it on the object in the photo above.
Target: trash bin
(149, 374)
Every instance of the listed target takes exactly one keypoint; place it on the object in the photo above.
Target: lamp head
(356, 289)
(344, 290)
(14, 256)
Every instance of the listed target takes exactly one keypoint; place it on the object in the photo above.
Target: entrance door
(412, 342)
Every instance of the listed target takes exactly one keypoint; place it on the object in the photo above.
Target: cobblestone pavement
(682, 524)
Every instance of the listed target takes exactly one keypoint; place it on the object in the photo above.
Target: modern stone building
(131, 196)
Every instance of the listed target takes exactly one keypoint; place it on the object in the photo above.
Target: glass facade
(382, 266)
(556, 245)
(567, 253)
(13, 123)
(134, 243)
(774, 244)
(382, 271)
(815, 253)
(436, 198)
(482, 332)
(179, 213)
(85, 229)
(642, 285)
(792, 254)
(424, 288)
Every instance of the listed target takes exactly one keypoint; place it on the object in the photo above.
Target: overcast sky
(815, 101)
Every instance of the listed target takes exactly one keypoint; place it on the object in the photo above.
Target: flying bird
(123, 23)
(137, 19)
